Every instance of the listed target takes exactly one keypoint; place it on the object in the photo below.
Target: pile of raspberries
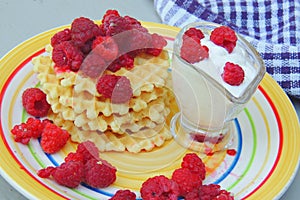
(193, 51)
(91, 48)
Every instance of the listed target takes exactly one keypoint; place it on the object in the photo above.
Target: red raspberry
(108, 14)
(124, 195)
(113, 25)
(88, 150)
(193, 33)
(159, 188)
(74, 157)
(21, 133)
(93, 65)
(33, 128)
(53, 138)
(224, 37)
(83, 30)
(106, 47)
(35, 103)
(117, 88)
(124, 60)
(233, 74)
(193, 195)
(61, 36)
(186, 180)
(98, 174)
(157, 44)
(193, 52)
(204, 138)
(36, 126)
(67, 57)
(69, 174)
(46, 172)
(138, 41)
(134, 24)
(194, 163)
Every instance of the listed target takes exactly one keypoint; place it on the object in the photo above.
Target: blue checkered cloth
(272, 27)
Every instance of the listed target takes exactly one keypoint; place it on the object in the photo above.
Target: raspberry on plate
(21, 133)
(33, 128)
(61, 36)
(186, 180)
(106, 47)
(124, 60)
(233, 74)
(67, 57)
(99, 174)
(69, 174)
(82, 30)
(35, 103)
(53, 138)
(160, 188)
(224, 37)
(93, 65)
(88, 150)
(124, 195)
(117, 88)
(194, 163)
(157, 44)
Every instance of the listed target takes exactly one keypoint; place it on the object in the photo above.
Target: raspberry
(159, 188)
(35, 103)
(67, 57)
(138, 41)
(224, 37)
(192, 162)
(88, 150)
(124, 60)
(98, 174)
(186, 180)
(117, 88)
(157, 44)
(46, 172)
(74, 157)
(61, 36)
(69, 174)
(209, 191)
(106, 47)
(124, 195)
(233, 74)
(53, 138)
(33, 128)
(193, 52)
(194, 34)
(114, 25)
(21, 133)
(93, 65)
(83, 30)
(204, 138)
(108, 14)
(36, 126)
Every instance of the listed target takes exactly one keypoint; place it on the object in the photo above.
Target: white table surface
(22, 19)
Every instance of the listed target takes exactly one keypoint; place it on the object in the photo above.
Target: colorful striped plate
(264, 165)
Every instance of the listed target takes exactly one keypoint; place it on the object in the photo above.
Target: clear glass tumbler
(207, 104)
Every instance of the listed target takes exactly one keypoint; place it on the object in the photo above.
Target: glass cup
(207, 104)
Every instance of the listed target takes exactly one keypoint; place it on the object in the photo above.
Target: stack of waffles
(140, 124)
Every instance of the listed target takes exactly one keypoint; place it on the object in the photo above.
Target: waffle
(137, 125)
